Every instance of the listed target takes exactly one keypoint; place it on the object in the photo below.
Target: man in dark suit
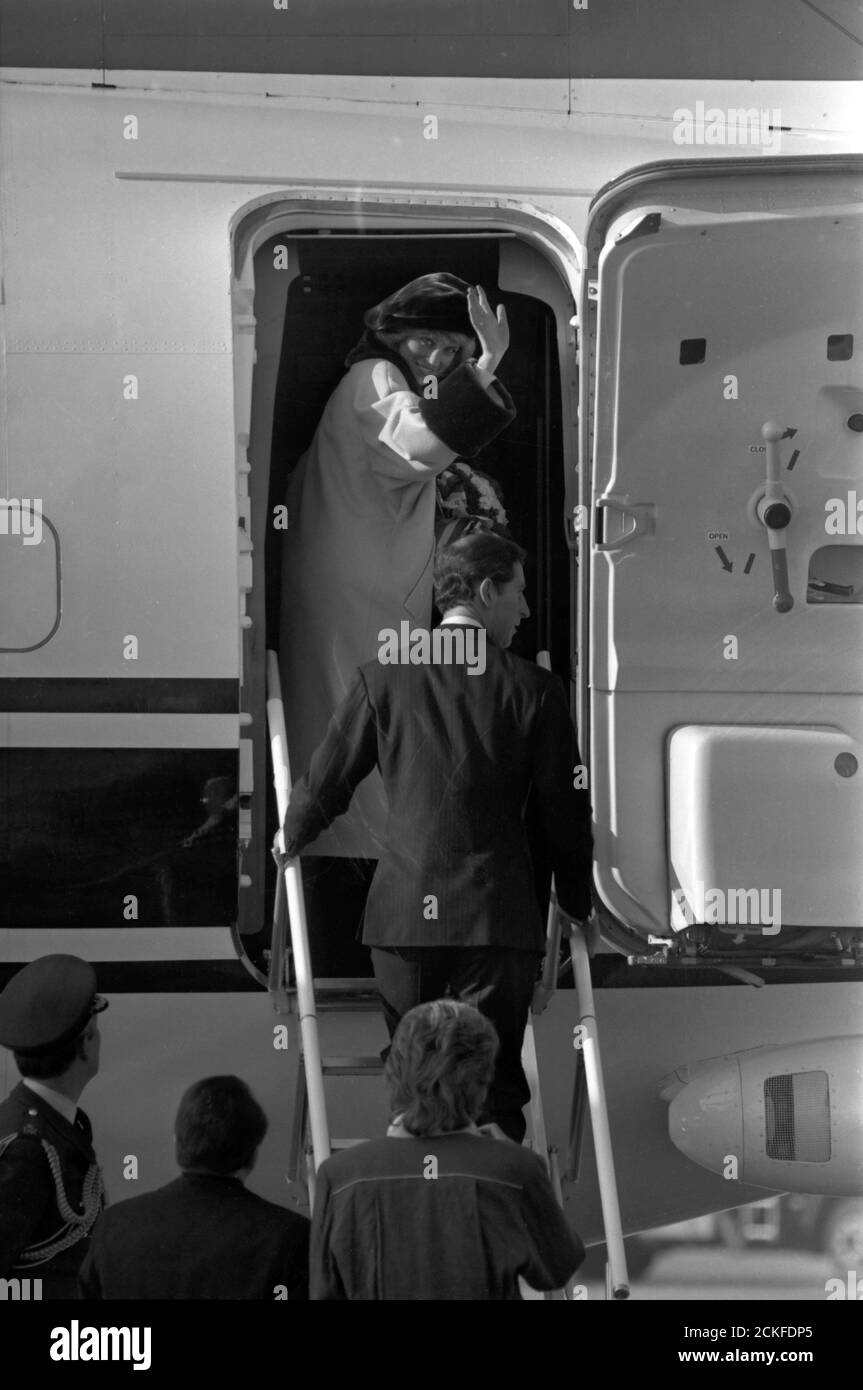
(460, 743)
(50, 1183)
(203, 1235)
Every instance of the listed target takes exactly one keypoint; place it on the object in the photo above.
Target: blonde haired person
(438, 1210)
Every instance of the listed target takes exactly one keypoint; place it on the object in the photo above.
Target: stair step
(346, 984)
(352, 1066)
(347, 1004)
(358, 994)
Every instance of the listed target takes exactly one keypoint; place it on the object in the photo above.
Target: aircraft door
(724, 607)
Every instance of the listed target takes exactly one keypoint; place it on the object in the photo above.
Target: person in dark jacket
(437, 1210)
(51, 1189)
(203, 1235)
(452, 906)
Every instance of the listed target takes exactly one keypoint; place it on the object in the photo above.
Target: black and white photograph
(431, 671)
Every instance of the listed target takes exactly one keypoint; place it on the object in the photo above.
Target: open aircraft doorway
(311, 290)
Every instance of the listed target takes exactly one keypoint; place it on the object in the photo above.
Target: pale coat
(359, 548)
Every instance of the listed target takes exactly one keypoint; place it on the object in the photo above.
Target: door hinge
(245, 787)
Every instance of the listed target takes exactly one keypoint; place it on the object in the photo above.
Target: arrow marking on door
(793, 459)
(726, 563)
(748, 566)
(788, 434)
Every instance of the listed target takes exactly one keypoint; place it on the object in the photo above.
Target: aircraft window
(32, 572)
(840, 347)
(692, 350)
(797, 1113)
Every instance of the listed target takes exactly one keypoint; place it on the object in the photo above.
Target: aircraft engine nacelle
(783, 1117)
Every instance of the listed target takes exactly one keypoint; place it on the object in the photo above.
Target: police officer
(50, 1183)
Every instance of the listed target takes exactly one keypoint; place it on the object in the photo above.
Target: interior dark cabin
(335, 278)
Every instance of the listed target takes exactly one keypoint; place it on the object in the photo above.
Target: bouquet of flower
(468, 500)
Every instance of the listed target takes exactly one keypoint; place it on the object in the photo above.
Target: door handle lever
(774, 511)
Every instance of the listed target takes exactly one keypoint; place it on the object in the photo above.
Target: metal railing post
(305, 984)
(599, 1116)
(617, 1274)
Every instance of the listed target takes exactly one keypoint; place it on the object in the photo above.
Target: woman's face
(429, 352)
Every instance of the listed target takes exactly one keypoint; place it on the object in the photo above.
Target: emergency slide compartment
(722, 617)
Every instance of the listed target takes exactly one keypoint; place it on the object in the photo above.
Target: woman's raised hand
(492, 329)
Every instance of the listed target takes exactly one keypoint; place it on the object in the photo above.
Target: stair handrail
(303, 978)
(618, 1276)
(590, 1051)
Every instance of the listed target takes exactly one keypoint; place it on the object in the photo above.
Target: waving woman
(420, 392)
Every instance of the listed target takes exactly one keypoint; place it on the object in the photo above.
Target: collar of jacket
(62, 1104)
(370, 346)
(51, 1119)
(396, 1130)
(195, 1175)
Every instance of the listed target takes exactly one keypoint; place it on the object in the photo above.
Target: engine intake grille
(797, 1108)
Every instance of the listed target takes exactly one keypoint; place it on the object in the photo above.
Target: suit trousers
(497, 980)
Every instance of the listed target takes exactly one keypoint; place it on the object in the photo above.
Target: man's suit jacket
(29, 1215)
(458, 753)
(200, 1236)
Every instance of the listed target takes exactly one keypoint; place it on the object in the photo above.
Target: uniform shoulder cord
(78, 1224)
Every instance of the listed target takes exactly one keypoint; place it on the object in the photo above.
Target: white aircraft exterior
(694, 246)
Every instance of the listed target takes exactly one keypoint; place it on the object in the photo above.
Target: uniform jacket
(359, 547)
(200, 1236)
(29, 1214)
(458, 753)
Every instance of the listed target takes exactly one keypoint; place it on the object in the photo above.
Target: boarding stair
(311, 1142)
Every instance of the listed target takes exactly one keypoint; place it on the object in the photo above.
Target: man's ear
(485, 592)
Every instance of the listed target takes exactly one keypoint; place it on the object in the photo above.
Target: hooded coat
(359, 548)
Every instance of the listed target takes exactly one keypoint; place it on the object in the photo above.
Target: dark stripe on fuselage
(105, 837)
(231, 977)
(115, 695)
(453, 38)
(612, 972)
(162, 977)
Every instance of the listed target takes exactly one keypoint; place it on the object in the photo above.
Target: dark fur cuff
(466, 417)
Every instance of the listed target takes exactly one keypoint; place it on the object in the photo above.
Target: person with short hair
(203, 1235)
(438, 1210)
(452, 908)
(51, 1189)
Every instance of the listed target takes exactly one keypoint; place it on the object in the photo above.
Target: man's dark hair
(219, 1125)
(440, 1066)
(461, 567)
(50, 1064)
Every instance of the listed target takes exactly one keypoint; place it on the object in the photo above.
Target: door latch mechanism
(774, 511)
